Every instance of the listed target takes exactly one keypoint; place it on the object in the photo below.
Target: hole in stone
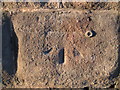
(90, 33)
(61, 56)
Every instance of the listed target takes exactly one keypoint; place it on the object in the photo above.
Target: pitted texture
(54, 51)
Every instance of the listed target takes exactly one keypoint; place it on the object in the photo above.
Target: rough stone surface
(54, 5)
(53, 50)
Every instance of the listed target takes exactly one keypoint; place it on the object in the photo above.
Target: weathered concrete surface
(54, 51)
(53, 5)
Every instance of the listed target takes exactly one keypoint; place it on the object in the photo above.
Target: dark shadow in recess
(94, 33)
(9, 45)
(61, 56)
(112, 86)
(86, 88)
(116, 72)
(42, 4)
